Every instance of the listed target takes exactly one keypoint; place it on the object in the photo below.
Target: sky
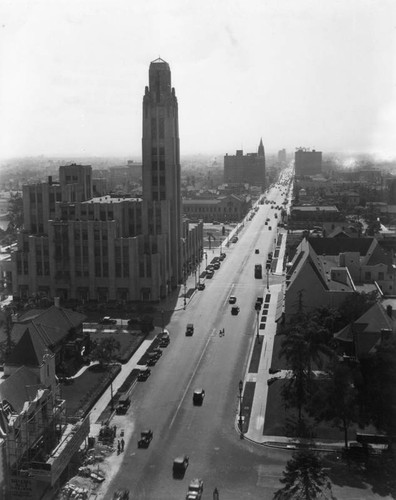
(319, 74)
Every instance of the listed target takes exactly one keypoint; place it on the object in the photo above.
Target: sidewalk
(256, 380)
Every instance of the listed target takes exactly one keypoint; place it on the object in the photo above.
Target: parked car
(222, 256)
(201, 286)
(145, 438)
(123, 404)
(144, 374)
(235, 310)
(106, 320)
(209, 274)
(198, 397)
(257, 250)
(189, 330)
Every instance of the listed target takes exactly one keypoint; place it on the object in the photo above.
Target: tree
(105, 350)
(336, 398)
(379, 395)
(304, 479)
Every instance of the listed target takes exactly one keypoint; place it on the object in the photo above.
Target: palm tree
(304, 479)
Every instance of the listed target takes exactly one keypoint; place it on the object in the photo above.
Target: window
(367, 275)
(380, 276)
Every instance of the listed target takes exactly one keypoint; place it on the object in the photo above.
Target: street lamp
(162, 314)
(240, 409)
(185, 293)
(206, 260)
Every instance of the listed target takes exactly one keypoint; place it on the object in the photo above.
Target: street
(207, 433)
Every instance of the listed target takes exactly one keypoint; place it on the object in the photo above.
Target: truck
(258, 271)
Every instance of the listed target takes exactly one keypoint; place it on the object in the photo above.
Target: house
(60, 330)
(325, 271)
(375, 326)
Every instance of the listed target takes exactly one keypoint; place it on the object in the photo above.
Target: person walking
(118, 447)
(122, 444)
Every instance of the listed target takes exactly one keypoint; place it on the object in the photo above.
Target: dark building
(307, 162)
(282, 156)
(248, 169)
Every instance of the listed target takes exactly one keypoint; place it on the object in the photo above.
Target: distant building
(282, 156)
(307, 162)
(248, 169)
(230, 208)
(76, 245)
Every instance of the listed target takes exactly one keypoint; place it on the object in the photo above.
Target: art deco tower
(161, 167)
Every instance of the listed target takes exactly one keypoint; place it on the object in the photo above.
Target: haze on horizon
(308, 73)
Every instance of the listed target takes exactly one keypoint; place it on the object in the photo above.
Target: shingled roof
(29, 351)
(52, 324)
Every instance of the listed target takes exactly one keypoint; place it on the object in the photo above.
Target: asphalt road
(207, 434)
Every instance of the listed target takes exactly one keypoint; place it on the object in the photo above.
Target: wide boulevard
(208, 433)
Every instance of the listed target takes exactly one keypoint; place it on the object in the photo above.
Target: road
(237, 468)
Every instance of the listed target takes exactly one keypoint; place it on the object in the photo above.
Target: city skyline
(307, 73)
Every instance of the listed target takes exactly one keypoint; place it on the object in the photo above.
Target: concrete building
(77, 246)
(248, 169)
(282, 156)
(307, 162)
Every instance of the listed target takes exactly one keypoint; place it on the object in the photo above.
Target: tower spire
(261, 148)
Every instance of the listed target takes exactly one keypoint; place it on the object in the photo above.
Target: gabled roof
(335, 246)
(19, 387)
(52, 324)
(366, 330)
(29, 351)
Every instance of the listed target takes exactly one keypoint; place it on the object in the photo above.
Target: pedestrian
(223, 332)
(118, 447)
(122, 444)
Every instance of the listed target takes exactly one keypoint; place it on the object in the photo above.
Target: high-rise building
(161, 164)
(77, 246)
(282, 156)
(246, 169)
(307, 162)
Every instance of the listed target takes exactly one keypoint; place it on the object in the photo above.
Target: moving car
(189, 330)
(198, 397)
(235, 310)
(144, 374)
(232, 299)
(257, 250)
(145, 438)
(180, 465)
(195, 489)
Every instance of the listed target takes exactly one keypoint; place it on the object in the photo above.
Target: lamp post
(258, 336)
(184, 294)
(162, 314)
(240, 409)
(206, 260)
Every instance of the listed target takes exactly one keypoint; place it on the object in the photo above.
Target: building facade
(246, 169)
(77, 246)
(307, 162)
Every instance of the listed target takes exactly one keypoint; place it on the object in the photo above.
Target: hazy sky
(312, 73)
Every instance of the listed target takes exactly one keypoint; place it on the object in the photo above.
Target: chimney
(57, 301)
(389, 310)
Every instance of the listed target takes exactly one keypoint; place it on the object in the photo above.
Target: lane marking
(191, 378)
